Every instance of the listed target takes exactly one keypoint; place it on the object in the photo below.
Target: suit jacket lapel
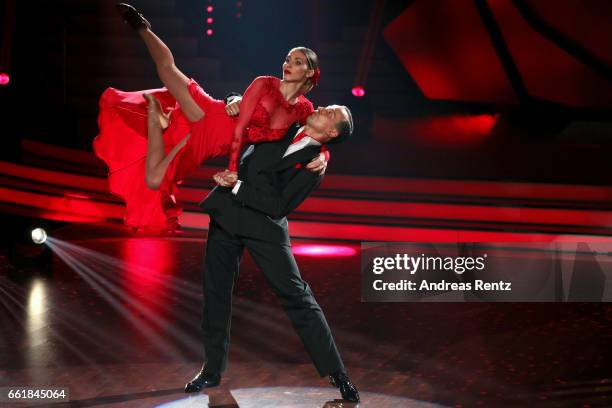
(266, 154)
(247, 153)
(302, 155)
(288, 139)
(269, 157)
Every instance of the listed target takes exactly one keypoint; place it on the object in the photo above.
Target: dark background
(65, 53)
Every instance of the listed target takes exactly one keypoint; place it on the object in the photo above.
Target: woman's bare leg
(170, 75)
(173, 79)
(157, 162)
(176, 82)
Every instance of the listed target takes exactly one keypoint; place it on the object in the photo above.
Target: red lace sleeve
(249, 101)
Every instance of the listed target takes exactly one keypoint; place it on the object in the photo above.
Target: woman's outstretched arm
(247, 106)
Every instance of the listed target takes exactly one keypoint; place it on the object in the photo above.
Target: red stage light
(209, 32)
(209, 9)
(209, 20)
(358, 91)
(4, 78)
(323, 250)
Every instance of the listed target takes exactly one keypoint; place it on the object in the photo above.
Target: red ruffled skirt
(122, 144)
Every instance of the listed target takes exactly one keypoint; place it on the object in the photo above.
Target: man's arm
(279, 204)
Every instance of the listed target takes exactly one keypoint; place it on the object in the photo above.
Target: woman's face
(295, 67)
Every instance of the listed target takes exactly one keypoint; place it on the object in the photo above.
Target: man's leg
(223, 255)
(279, 267)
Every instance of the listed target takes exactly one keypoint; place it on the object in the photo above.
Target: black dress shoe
(203, 380)
(132, 16)
(347, 389)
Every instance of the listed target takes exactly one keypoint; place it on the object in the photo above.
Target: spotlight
(27, 240)
(358, 91)
(209, 20)
(39, 236)
(209, 32)
(209, 9)
(4, 78)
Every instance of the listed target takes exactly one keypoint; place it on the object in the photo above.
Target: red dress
(265, 115)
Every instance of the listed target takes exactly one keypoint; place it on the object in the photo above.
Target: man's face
(325, 120)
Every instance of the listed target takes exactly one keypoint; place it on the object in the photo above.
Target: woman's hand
(226, 178)
(318, 164)
(233, 106)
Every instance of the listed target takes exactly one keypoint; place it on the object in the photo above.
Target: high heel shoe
(131, 16)
(156, 109)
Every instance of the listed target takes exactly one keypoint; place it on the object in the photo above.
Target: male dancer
(250, 212)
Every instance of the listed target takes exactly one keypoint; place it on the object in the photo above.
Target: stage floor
(117, 321)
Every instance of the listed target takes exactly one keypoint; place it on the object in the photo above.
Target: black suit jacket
(272, 187)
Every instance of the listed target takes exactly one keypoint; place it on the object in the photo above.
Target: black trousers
(223, 255)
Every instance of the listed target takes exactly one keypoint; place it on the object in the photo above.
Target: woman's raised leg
(177, 83)
(169, 74)
(157, 161)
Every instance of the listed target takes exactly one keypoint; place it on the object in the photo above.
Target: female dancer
(146, 164)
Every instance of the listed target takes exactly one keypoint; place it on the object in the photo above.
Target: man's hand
(318, 164)
(226, 178)
(233, 106)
